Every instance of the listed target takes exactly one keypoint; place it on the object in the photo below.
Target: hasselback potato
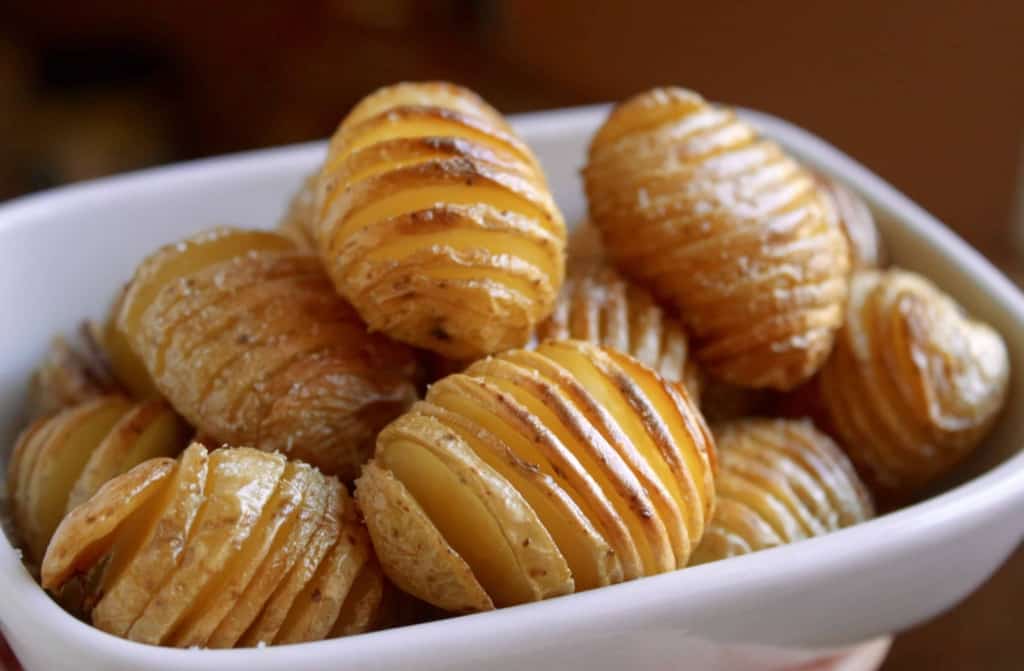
(435, 221)
(858, 224)
(297, 222)
(242, 332)
(600, 306)
(534, 474)
(60, 461)
(68, 376)
(914, 384)
(725, 227)
(229, 548)
(779, 481)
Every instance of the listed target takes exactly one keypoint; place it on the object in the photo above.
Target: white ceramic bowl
(64, 253)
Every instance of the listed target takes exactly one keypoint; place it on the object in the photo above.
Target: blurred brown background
(928, 93)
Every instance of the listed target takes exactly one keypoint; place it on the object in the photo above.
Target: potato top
(436, 222)
(779, 481)
(537, 473)
(725, 227)
(914, 383)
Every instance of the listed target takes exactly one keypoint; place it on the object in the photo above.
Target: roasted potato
(297, 222)
(779, 481)
(62, 460)
(66, 377)
(724, 227)
(242, 332)
(223, 549)
(600, 306)
(435, 221)
(534, 474)
(858, 224)
(913, 384)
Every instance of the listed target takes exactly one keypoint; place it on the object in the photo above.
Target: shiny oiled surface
(724, 226)
(267, 551)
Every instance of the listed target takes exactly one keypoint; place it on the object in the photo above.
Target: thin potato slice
(412, 551)
(362, 609)
(59, 462)
(149, 430)
(316, 609)
(220, 595)
(85, 534)
(147, 553)
(536, 567)
(275, 612)
(290, 543)
(591, 561)
(238, 486)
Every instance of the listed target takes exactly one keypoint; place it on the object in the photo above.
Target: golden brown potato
(534, 474)
(297, 222)
(858, 224)
(725, 227)
(67, 377)
(60, 461)
(244, 335)
(913, 384)
(435, 221)
(222, 549)
(779, 481)
(600, 306)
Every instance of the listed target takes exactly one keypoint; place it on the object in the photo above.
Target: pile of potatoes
(422, 395)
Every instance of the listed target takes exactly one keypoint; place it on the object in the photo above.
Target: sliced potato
(615, 463)
(148, 551)
(412, 551)
(363, 606)
(58, 464)
(65, 378)
(85, 535)
(238, 486)
(150, 429)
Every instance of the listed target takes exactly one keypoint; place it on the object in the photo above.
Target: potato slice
(149, 430)
(646, 431)
(148, 552)
(617, 481)
(239, 484)
(524, 561)
(363, 606)
(601, 419)
(84, 536)
(275, 612)
(127, 366)
(316, 608)
(220, 595)
(59, 463)
(412, 551)
(591, 561)
(289, 545)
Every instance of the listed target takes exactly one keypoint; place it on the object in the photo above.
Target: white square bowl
(64, 253)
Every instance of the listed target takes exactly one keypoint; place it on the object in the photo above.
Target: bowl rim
(1002, 487)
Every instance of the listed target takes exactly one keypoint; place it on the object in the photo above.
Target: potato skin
(724, 227)
(257, 349)
(779, 481)
(913, 384)
(436, 223)
(238, 487)
(615, 464)
(600, 306)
